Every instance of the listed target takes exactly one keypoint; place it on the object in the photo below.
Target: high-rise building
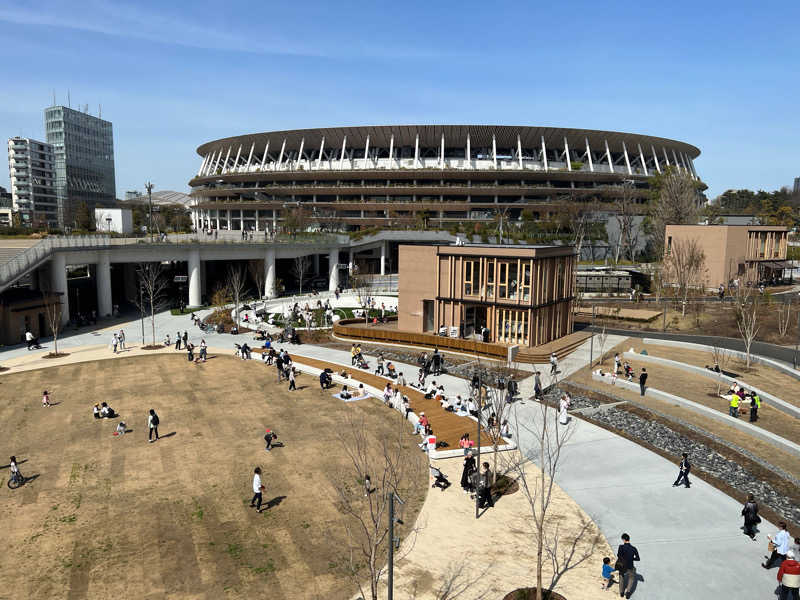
(31, 167)
(131, 194)
(84, 159)
(797, 185)
(5, 207)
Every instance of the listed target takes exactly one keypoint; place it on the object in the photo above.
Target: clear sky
(172, 75)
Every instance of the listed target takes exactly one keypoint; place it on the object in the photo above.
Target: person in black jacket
(627, 554)
(683, 473)
(751, 518)
(643, 380)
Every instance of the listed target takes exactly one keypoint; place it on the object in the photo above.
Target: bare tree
(721, 357)
(236, 282)
(748, 315)
(493, 406)
(459, 579)
(366, 511)
(300, 269)
(628, 235)
(564, 547)
(154, 285)
(256, 270)
(685, 263)
(677, 202)
(602, 338)
(784, 318)
(360, 285)
(52, 313)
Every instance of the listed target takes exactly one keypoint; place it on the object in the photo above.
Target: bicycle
(16, 480)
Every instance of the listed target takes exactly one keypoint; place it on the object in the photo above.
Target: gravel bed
(702, 456)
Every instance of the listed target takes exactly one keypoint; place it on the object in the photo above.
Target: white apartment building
(31, 166)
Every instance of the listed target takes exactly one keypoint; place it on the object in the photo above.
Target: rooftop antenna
(69, 100)
(99, 111)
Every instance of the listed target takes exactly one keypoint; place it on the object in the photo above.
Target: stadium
(350, 178)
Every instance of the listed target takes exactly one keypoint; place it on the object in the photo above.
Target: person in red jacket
(789, 567)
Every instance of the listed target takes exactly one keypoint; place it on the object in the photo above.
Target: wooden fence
(376, 334)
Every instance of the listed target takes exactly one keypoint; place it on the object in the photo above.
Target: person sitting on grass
(122, 429)
(96, 411)
(390, 370)
(607, 579)
(422, 423)
(431, 391)
(106, 411)
(325, 380)
(344, 394)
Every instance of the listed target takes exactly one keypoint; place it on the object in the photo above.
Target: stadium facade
(395, 175)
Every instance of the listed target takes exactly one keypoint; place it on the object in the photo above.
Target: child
(121, 428)
(45, 399)
(608, 572)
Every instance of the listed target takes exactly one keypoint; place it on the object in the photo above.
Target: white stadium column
(391, 151)
(589, 155)
(333, 267)
(104, 301)
(469, 152)
(655, 158)
(544, 154)
(494, 151)
(58, 284)
(566, 154)
(264, 158)
(608, 156)
(269, 274)
(641, 158)
(195, 278)
(627, 160)
(366, 154)
(321, 151)
(383, 258)
(300, 153)
(344, 149)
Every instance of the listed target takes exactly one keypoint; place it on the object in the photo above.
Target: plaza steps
(561, 347)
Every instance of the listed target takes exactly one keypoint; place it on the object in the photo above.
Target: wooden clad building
(522, 294)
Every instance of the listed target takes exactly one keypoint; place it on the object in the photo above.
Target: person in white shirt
(401, 380)
(258, 489)
(30, 339)
(781, 541)
(553, 364)
(387, 393)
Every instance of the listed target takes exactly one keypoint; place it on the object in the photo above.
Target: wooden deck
(447, 426)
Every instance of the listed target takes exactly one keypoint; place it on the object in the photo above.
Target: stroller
(361, 362)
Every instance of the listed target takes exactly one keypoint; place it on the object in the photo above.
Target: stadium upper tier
(538, 150)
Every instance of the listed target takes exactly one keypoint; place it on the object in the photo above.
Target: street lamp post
(392, 541)
(149, 187)
(141, 308)
(478, 466)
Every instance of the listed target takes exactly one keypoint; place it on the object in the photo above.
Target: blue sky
(172, 75)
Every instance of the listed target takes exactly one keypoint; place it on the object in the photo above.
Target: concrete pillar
(269, 274)
(104, 300)
(195, 278)
(333, 268)
(350, 263)
(383, 258)
(316, 265)
(58, 284)
(129, 278)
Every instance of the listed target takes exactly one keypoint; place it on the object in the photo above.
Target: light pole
(149, 187)
(392, 541)
(478, 466)
(141, 307)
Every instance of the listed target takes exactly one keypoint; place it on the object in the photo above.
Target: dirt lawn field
(117, 517)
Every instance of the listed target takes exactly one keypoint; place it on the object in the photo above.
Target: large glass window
(502, 279)
(472, 277)
(526, 281)
(490, 278)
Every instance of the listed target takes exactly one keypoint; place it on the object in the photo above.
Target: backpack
(155, 420)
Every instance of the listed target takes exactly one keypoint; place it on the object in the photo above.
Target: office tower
(83, 146)
(32, 170)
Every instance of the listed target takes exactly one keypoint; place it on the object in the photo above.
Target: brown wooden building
(522, 294)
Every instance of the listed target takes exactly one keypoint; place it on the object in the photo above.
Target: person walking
(733, 407)
(553, 364)
(780, 542)
(627, 554)
(185, 338)
(121, 339)
(485, 487)
(468, 473)
(258, 490)
(178, 340)
(751, 518)
(30, 339)
(683, 472)
(789, 578)
(537, 385)
(292, 385)
(152, 426)
(203, 350)
(643, 381)
(114, 343)
(563, 405)
(45, 399)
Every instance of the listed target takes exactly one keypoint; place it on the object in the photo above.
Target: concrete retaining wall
(776, 402)
(744, 426)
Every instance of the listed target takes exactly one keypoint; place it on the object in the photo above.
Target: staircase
(561, 347)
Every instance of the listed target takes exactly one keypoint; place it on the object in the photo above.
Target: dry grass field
(117, 517)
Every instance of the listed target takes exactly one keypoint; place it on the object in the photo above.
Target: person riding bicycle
(15, 474)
